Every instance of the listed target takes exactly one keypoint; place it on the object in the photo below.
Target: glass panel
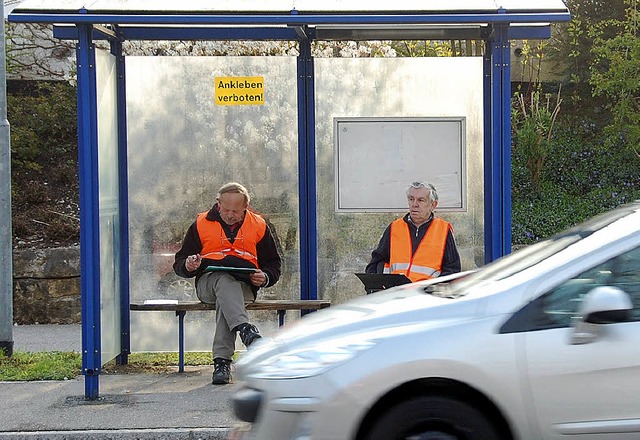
(182, 148)
(108, 194)
(391, 88)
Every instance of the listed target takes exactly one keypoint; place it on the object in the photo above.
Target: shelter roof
(169, 11)
(302, 6)
(326, 19)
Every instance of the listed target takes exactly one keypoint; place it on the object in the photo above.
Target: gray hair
(433, 194)
(236, 188)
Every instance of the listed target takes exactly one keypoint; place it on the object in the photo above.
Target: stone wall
(46, 286)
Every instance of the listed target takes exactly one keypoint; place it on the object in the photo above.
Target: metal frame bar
(69, 32)
(488, 151)
(180, 314)
(505, 140)
(312, 198)
(123, 204)
(307, 173)
(497, 156)
(89, 211)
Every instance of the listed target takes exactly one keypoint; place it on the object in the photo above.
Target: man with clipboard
(232, 254)
(418, 245)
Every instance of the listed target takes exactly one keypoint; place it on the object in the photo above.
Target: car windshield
(535, 253)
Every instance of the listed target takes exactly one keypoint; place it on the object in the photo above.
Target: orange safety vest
(426, 263)
(216, 245)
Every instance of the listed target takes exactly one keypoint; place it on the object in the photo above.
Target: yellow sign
(239, 90)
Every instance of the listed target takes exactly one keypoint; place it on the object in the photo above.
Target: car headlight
(310, 360)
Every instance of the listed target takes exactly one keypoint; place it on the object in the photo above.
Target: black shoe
(221, 371)
(248, 333)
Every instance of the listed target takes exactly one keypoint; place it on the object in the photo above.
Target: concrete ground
(131, 406)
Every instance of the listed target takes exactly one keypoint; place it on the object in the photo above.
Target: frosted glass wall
(182, 148)
(109, 212)
(391, 88)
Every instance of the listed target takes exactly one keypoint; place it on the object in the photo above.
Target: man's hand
(192, 262)
(258, 278)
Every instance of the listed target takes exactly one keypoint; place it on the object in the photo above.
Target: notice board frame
(376, 158)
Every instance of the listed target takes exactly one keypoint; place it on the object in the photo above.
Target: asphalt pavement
(130, 406)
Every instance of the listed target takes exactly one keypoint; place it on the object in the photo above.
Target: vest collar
(407, 218)
(214, 215)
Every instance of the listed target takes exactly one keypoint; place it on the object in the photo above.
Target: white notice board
(376, 159)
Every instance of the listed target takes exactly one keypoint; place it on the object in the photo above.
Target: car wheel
(179, 288)
(433, 418)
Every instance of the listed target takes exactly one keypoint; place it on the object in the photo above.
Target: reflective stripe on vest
(216, 245)
(427, 261)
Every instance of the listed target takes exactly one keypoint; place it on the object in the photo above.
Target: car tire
(433, 418)
(175, 287)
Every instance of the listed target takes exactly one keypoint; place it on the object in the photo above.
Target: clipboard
(246, 270)
(380, 281)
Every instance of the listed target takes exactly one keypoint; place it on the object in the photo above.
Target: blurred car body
(541, 344)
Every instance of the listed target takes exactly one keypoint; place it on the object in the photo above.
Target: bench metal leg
(281, 314)
(180, 315)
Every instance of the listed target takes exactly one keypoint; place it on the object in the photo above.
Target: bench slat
(265, 304)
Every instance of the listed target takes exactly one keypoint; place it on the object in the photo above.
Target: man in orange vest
(229, 236)
(417, 245)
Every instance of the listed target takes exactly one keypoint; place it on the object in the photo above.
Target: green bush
(44, 156)
(581, 166)
(44, 131)
(553, 210)
(581, 178)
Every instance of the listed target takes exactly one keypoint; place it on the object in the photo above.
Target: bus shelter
(124, 184)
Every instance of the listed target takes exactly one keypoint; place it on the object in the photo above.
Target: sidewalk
(131, 406)
(47, 337)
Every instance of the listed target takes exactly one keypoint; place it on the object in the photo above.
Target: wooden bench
(181, 308)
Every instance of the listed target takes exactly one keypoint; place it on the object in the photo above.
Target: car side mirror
(606, 305)
(601, 305)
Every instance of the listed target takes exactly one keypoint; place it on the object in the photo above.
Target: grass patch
(157, 362)
(53, 365)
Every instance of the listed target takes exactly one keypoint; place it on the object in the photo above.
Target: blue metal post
(89, 211)
(123, 202)
(181, 314)
(307, 173)
(302, 177)
(506, 138)
(487, 79)
(497, 149)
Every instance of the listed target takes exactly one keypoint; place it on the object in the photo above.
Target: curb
(122, 434)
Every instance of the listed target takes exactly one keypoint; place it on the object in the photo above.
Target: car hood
(390, 311)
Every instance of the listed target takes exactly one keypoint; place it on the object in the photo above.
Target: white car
(541, 344)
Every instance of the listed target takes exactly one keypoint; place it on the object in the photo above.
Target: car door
(589, 389)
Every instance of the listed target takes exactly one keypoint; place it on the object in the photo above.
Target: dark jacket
(382, 254)
(268, 258)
